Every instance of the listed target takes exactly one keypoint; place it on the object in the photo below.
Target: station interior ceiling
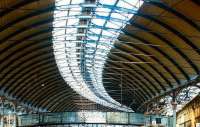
(156, 53)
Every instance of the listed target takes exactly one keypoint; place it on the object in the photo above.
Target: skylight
(84, 32)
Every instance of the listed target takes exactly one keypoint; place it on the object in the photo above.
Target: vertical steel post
(174, 117)
(1, 112)
(14, 115)
(121, 88)
(2, 107)
(8, 120)
(174, 105)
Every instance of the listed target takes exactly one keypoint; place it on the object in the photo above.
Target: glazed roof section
(84, 32)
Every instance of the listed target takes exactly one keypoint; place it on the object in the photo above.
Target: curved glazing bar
(83, 34)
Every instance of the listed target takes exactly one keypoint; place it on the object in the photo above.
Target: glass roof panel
(110, 2)
(83, 34)
(124, 3)
(95, 30)
(77, 1)
(99, 22)
(102, 11)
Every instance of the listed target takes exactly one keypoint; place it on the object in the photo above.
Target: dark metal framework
(156, 36)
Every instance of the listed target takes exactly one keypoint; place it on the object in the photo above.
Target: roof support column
(2, 110)
(174, 107)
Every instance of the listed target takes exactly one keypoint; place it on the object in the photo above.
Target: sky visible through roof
(84, 32)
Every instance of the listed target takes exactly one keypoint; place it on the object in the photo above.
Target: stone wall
(190, 114)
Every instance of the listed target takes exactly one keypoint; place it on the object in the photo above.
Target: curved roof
(28, 71)
(157, 53)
